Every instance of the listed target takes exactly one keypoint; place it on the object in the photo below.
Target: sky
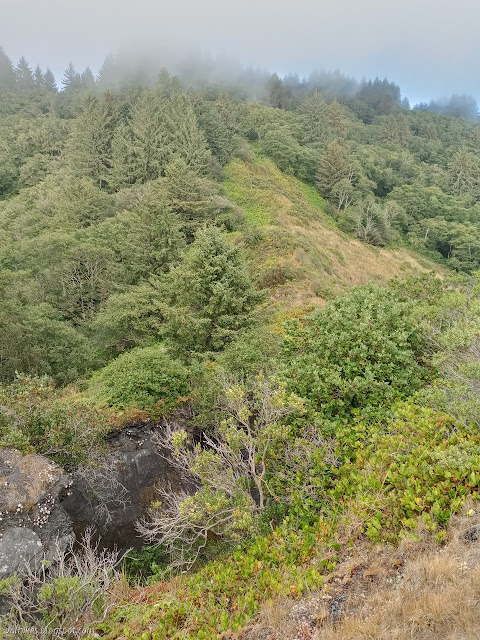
(429, 47)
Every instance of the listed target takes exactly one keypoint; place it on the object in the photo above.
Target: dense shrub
(144, 378)
(363, 349)
(34, 416)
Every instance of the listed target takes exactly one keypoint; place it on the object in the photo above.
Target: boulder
(30, 486)
(20, 549)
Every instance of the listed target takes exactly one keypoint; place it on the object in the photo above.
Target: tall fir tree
(139, 145)
(212, 293)
(89, 147)
(109, 76)
(464, 172)
(23, 75)
(49, 81)
(333, 168)
(184, 139)
(71, 78)
(314, 120)
(337, 120)
(87, 79)
(7, 76)
(38, 78)
(189, 195)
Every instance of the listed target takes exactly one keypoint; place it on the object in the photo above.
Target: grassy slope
(301, 255)
(298, 241)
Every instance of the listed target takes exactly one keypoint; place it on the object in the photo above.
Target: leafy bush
(361, 350)
(144, 378)
(34, 416)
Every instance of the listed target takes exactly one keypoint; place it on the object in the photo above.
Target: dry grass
(298, 235)
(437, 598)
(418, 591)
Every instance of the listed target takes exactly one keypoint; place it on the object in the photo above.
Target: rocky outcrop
(29, 499)
(115, 496)
(37, 496)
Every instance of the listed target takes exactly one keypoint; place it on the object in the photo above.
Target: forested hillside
(291, 263)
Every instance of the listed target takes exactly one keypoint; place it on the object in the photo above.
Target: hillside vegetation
(289, 286)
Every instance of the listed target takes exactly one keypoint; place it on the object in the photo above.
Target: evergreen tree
(219, 128)
(87, 79)
(464, 171)
(71, 78)
(7, 76)
(314, 120)
(38, 78)
(278, 94)
(89, 147)
(212, 293)
(154, 240)
(109, 74)
(23, 75)
(337, 121)
(139, 145)
(184, 139)
(332, 168)
(49, 81)
(189, 195)
(395, 129)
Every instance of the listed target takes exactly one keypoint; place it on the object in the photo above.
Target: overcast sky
(430, 47)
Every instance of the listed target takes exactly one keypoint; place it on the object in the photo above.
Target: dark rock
(20, 549)
(113, 499)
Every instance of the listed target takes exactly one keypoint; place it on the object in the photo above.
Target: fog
(429, 47)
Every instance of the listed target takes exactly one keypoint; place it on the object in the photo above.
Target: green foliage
(212, 295)
(253, 350)
(143, 378)
(362, 350)
(36, 417)
(416, 465)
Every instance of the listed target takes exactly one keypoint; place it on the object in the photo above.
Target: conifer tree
(89, 147)
(155, 238)
(109, 76)
(7, 77)
(184, 138)
(218, 124)
(49, 81)
(314, 119)
(464, 171)
(23, 75)
(139, 145)
(212, 293)
(332, 168)
(395, 129)
(336, 120)
(189, 195)
(87, 79)
(38, 78)
(71, 78)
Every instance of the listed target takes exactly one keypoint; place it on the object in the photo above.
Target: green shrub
(143, 378)
(37, 417)
(361, 350)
